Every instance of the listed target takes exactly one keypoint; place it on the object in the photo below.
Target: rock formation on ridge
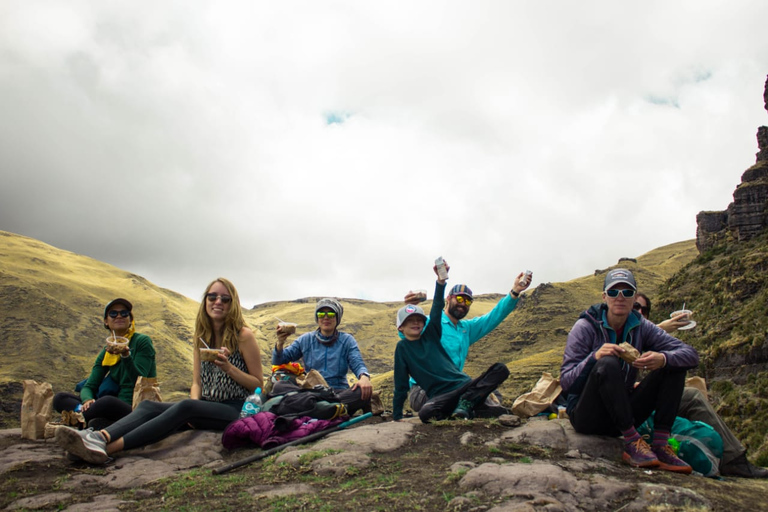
(747, 215)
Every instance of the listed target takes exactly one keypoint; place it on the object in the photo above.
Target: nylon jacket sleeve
(401, 383)
(482, 325)
(678, 354)
(91, 388)
(579, 356)
(292, 352)
(355, 357)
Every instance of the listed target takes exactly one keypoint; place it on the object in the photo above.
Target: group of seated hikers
(604, 393)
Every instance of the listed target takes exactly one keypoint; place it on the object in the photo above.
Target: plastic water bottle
(79, 408)
(252, 404)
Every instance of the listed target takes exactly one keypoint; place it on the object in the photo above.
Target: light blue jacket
(332, 361)
(457, 338)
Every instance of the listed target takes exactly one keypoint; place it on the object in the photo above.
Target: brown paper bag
(543, 394)
(311, 379)
(698, 383)
(36, 408)
(146, 388)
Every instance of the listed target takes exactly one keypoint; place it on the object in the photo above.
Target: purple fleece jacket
(589, 334)
(260, 430)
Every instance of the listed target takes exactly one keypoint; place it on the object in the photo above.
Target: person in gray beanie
(332, 353)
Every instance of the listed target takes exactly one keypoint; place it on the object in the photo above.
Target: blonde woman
(216, 396)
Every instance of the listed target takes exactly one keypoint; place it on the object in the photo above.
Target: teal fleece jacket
(426, 360)
(125, 372)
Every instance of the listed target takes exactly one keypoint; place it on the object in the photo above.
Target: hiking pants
(606, 408)
(153, 421)
(475, 391)
(694, 406)
(108, 407)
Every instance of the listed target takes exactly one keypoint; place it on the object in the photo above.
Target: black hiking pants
(475, 391)
(606, 408)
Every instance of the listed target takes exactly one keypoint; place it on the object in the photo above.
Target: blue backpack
(700, 444)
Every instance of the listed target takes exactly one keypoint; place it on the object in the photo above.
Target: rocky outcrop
(747, 215)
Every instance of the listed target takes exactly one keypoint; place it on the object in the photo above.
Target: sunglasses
(463, 300)
(123, 313)
(212, 297)
(639, 307)
(613, 293)
(323, 314)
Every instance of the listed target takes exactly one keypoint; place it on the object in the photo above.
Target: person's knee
(607, 365)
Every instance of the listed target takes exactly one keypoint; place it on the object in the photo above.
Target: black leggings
(476, 391)
(606, 408)
(153, 421)
(108, 407)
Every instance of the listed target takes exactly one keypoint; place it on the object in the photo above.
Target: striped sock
(630, 435)
(660, 437)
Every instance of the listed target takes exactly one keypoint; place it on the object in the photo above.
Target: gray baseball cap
(408, 311)
(619, 275)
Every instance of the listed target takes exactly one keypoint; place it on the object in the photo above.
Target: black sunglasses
(225, 299)
(123, 313)
(643, 309)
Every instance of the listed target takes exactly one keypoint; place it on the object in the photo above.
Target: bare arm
(248, 347)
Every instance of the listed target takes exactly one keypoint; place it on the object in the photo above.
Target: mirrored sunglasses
(463, 300)
(323, 314)
(613, 293)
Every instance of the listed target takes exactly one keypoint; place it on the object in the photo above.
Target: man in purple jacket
(600, 385)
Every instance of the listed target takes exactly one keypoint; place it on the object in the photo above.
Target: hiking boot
(638, 454)
(89, 445)
(740, 466)
(463, 411)
(668, 461)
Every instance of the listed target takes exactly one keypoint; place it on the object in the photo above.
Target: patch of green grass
(309, 457)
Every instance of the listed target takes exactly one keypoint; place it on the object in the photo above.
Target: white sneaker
(89, 445)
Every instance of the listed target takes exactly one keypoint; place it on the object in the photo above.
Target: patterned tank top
(217, 385)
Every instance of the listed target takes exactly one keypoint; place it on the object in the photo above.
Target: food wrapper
(630, 353)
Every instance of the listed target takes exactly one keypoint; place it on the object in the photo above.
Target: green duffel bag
(699, 444)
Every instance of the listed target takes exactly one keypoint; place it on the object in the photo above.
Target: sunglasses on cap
(613, 293)
(323, 314)
(123, 313)
(643, 309)
(212, 297)
(463, 300)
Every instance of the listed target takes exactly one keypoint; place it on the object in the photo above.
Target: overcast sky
(337, 148)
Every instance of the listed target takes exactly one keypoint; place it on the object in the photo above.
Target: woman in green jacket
(124, 365)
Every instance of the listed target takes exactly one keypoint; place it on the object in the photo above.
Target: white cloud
(187, 140)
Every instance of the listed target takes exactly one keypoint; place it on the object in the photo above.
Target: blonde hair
(233, 323)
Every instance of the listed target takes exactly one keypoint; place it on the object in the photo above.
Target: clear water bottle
(252, 404)
(79, 408)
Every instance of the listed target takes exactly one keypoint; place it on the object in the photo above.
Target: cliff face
(747, 216)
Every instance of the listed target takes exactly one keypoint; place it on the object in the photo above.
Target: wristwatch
(364, 373)
(514, 293)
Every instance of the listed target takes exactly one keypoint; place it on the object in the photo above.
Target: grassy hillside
(727, 288)
(52, 329)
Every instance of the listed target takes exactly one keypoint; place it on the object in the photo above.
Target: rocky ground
(378, 465)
